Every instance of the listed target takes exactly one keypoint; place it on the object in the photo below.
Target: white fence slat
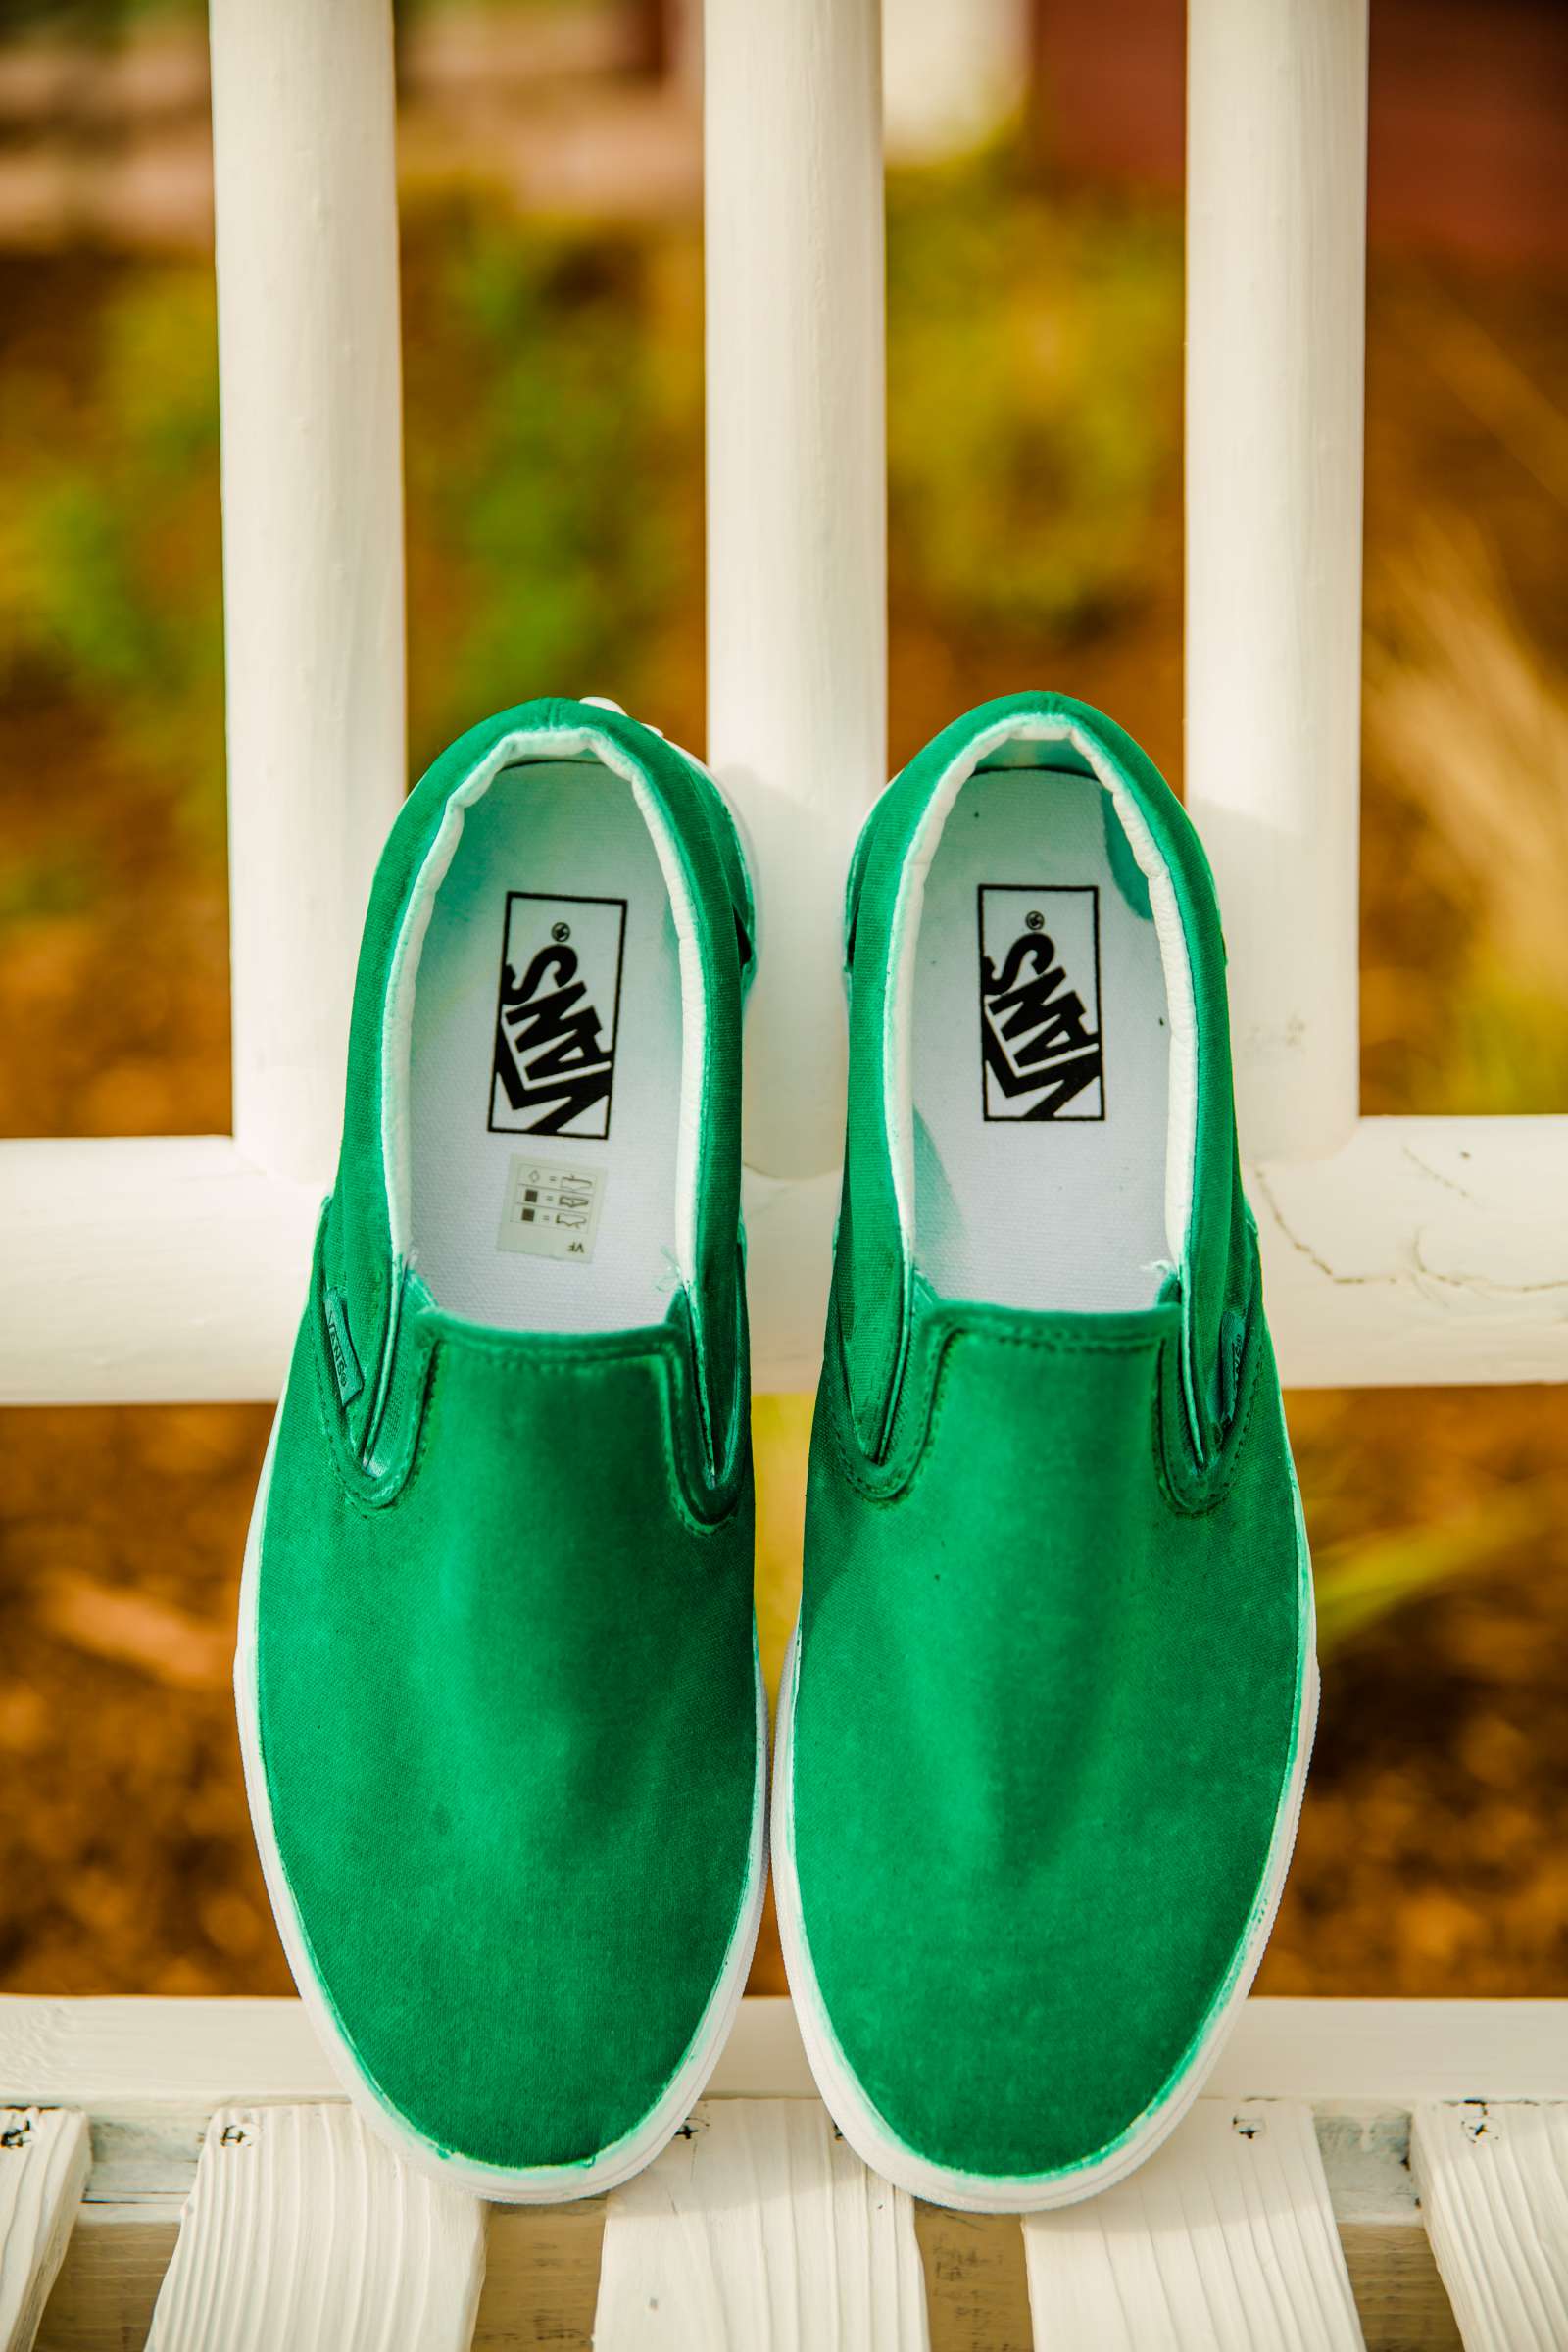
(1276, 262)
(950, 77)
(759, 2227)
(310, 383)
(1224, 2241)
(797, 537)
(44, 2156)
(304, 2233)
(1493, 2185)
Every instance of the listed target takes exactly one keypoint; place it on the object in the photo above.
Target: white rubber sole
(868, 2132)
(538, 2185)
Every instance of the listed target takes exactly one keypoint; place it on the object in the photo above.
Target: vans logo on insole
(557, 1015)
(1041, 1054)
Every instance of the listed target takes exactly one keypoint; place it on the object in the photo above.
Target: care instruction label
(551, 1212)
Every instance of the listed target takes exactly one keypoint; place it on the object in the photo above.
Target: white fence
(1397, 1249)
(1415, 2152)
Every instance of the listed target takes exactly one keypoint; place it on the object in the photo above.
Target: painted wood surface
(131, 2058)
(542, 2278)
(1493, 2183)
(148, 1268)
(43, 2170)
(797, 554)
(1224, 2241)
(1428, 1249)
(305, 2233)
(1425, 1250)
(1276, 268)
(151, 2073)
(310, 403)
(149, 2131)
(760, 2227)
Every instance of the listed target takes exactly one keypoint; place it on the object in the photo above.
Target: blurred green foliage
(552, 377)
(1361, 1581)
(1026, 454)
(554, 395)
(100, 24)
(88, 21)
(110, 596)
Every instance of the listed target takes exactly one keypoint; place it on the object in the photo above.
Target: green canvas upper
(505, 1681)
(1054, 1630)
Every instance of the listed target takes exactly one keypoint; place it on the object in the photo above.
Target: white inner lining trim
(397, 1019)
(897, 1076)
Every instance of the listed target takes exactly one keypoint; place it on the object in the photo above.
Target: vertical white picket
(797, 561)
(1224, 2239)
(758, 2227)
(304, 2233)
(1493, 2179)
(313, 537)
(1276, 258)
(44, 2162)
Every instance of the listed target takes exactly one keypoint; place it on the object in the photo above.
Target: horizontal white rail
(157, 1268)
(1425, 1250)
(118, 2056)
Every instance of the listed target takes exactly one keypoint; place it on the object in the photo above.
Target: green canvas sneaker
(504, 1732)
(1045, 1724)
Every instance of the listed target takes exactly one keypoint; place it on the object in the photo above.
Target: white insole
(1041, 1054)
(545, 1070)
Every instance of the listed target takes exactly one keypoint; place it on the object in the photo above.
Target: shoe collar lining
(397, 1024)
(897, 1076)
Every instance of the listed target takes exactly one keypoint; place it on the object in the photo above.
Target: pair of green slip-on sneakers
(1046, 1721)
